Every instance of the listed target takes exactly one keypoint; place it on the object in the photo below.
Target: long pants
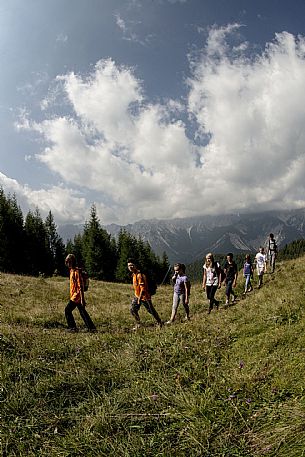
(82, 311)
(135, 306)
(272, 256)
(176, 300)
(248, 282)
(229, 288)
(211, 291)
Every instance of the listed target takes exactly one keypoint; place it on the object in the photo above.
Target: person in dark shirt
(230, 269)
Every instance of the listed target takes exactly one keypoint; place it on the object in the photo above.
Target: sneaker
(227, 302)
(234, 299)
(187, 318)
(250, 290)
(136, 327)
(168, 322)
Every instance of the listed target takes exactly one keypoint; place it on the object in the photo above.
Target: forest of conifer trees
(32, 246)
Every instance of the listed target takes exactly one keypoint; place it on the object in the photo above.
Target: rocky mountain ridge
(189, 239)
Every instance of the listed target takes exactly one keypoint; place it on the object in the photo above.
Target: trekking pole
(165, 275)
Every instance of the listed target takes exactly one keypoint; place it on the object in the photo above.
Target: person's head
(179, 268)
(229, 257)
(132, 265)
(70, 261)
(261, 250)
(271, 236)
(248, 258)
(209, 259)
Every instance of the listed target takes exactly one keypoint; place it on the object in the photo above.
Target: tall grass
(226, 384)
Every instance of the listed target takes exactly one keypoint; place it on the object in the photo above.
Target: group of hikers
(213, 276)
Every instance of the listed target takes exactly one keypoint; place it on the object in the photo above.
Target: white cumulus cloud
(138, 159)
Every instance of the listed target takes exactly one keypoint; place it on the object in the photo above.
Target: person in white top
(211, 280)
(261, 265)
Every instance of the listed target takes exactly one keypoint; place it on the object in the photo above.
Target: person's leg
(272, 262)
(209, 297)
(213, 292)
(176, 300)
(186, 307)
(69, 315)
(85, 316)
(134, 309)
(249, 284)
(151, 309)
(247, 277)
(228, 291)
(260, 279)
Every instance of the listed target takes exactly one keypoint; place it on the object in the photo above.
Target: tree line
(33, 246)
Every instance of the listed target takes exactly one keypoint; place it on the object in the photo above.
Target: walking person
(77, 297)
(182, 287)
(272, 252)
(142, 295)
(248, 273)
(261, 265)
(211, 280)
(231, 272)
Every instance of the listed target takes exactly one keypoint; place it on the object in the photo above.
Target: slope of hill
(225, 384)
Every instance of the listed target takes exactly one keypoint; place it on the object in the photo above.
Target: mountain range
(189, 239)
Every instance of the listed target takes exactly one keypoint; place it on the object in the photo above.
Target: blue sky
(152, 108)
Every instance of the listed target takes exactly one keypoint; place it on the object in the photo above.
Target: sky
(152, 108)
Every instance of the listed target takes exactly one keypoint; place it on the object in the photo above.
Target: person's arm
(187, 290)
(80, 287)
(235, 276)
(204, 279)
(219, 277)
(141, 283)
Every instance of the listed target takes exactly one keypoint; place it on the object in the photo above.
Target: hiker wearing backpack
(77, 297)
(142, 295)
(230, 269)
(272, 252)
(182, 287)
(211, 280)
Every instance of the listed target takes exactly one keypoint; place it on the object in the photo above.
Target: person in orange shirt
(77, 297)
(142, 296)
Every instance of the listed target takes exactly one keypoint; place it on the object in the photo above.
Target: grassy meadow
(226, 384)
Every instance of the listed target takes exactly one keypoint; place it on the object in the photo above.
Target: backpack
(150, 283)
(85, 279)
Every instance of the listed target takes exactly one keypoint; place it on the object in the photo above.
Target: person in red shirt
(142, 296)
(77, 297)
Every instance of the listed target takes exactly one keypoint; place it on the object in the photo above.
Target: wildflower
(154, 397)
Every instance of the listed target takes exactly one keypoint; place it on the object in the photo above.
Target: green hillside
(226, 384)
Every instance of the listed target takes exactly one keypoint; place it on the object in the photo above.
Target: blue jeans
(248, 282)
(176, 300)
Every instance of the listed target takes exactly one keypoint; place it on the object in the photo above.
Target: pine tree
(38, 252)
(98, 249)
(56, 245)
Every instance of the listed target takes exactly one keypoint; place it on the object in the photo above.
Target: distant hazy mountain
(190, 239)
